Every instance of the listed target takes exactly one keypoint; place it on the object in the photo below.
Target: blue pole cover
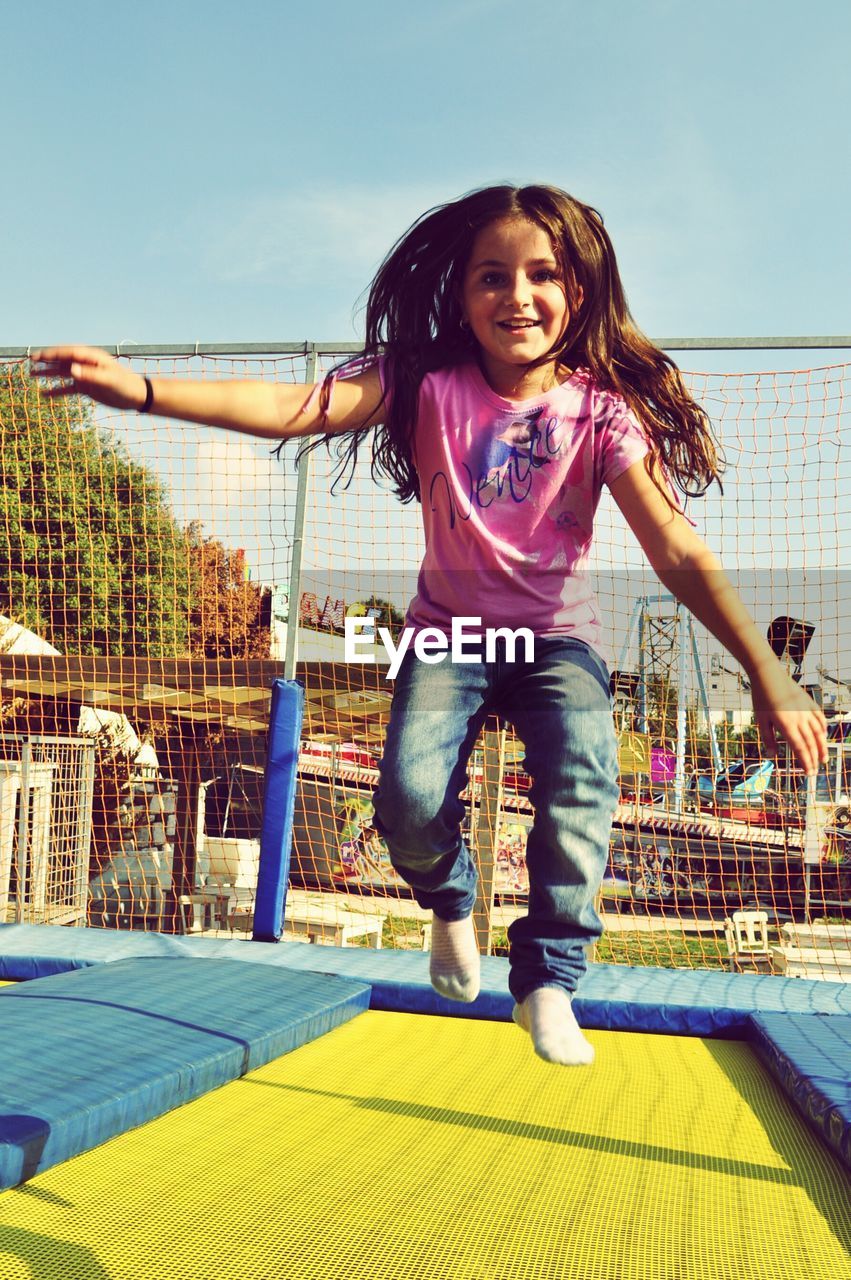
(285, 723)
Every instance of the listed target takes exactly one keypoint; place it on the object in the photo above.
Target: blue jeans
(560, 707)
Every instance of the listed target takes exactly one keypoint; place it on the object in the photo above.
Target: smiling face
(513, 298)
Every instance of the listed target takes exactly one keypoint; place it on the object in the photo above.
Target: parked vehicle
(740, 784)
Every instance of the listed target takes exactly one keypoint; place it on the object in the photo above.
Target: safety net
(154, 576)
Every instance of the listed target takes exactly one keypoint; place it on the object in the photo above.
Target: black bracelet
(145, 407)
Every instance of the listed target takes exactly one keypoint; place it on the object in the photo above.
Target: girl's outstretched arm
(686, 566)
(273, 410)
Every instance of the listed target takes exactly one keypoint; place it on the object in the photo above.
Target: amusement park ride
(733, 832)
(666, 642)
(666, 647)
(741, 808)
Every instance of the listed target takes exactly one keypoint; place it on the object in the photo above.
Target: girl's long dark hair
(413, 318)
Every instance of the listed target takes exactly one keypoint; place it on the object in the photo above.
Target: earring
(465, 324)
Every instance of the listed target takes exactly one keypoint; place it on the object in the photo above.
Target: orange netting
(147, 595)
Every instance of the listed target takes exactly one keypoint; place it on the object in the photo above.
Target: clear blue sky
(178, 171)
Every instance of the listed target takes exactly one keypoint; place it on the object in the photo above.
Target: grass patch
(401, 933)
(661, 950)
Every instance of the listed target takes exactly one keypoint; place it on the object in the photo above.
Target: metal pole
(633, 623)
(23, 830)
(487, 832)
(683, 624)
(291, 653)
(642, 667)
(190, 350)
(704, 700)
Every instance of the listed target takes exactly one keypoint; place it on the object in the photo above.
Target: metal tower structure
(666, 644)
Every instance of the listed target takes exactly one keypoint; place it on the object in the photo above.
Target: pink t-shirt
(509, 490)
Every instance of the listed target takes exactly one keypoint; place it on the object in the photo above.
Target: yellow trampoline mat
(442, 1149)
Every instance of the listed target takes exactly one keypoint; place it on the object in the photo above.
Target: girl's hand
(781, 704)
(88, 371)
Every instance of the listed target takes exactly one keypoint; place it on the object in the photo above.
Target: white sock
(548, 1016)
(454, 966)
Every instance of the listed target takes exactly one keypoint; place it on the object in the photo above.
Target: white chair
(228, 868)
(226, 874)
(746, 934)
(132, 884)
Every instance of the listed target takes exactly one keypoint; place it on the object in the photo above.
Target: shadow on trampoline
(812, 1166)
(46, 1257)
(41, 1193)
(543, 1133)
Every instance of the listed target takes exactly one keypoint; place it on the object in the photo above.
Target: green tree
(230, 617)
(384, 611)
(91, 557)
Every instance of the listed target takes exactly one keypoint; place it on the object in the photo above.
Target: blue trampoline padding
(810, 1057)
(40, 950)
(90, 1054)
(610, 997)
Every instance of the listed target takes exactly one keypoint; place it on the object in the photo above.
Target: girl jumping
(504, 383)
